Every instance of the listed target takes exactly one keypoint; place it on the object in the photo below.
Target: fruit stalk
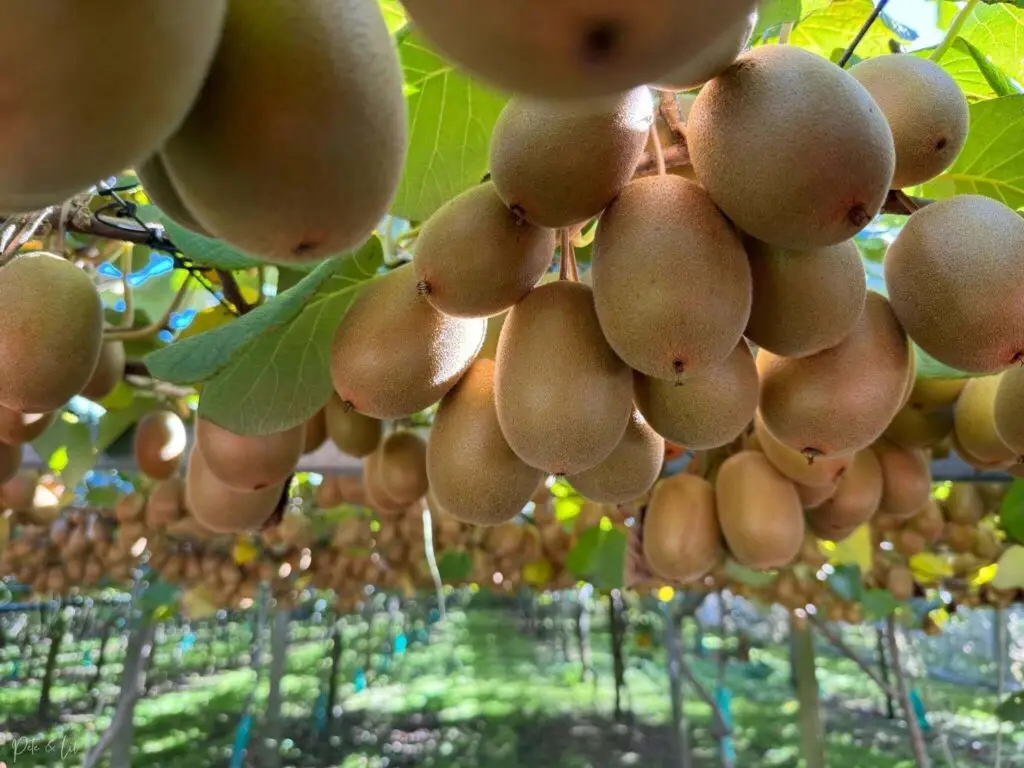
(954, 29)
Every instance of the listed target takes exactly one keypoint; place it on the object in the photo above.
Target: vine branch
(848, 53)
(232, 292)
(837, 642)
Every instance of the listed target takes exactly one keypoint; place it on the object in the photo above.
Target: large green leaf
(450, 122)
(772, 14)
(998, 30)
(993, 80)
(200, 358)
(280, 378)
(1011, 513)
(878, 603)
(1011, 709)
(992, 161)
(394, 14)
(205, 250)
(832, 28)
(599, 556)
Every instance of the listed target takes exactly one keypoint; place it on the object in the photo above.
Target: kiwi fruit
(394, 354)
(552, 337)
(474, 475)
(964, 504)
(52, 318)
(580, 48)
(172, 46)
(759, 511)
(166, 503)
(812, 497)
(311, 176)
(713, 59)
(804, 301)
(932, 394)
(17, 427)
(10, 461)
(785, 129)
(377, 495)
(352, 432)
(159, 444)
(974, 421)
(906, 479)
(914, 428)
(959, 536)
(976, 322)
(842, 399)
(559, 163)
(926, 110)
(221, 508)
(629, 471)
(928, 521)
(316, 432)
(108, 373)
(900, 582)
(855, 501)
(819, 472)
(402, 467)
(249, 462)
(18, 492)
(1008, 410)
(686, 324)
(682, 540)
(702, 410)
(476, 258)
(160, 190)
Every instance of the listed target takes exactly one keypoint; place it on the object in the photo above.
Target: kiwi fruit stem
(659, 153)
(567, 269)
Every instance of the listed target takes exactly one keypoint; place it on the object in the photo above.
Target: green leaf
(992, 161)
(975, 73)
(281, 375)
(455, 567)
(205, 250)
(599, 557)
(878, 603)
(845, 581)
(772, 14)
(832, 28)
(1012, 708)
(1011, 512)
(51, 440)
(748, 576)
(200, 358)
(450, 122)
(1010, 570)
(394, 14)
(157, 595)
(81, 455)
(996, 30)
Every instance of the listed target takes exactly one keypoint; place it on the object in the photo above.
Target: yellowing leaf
(244, 552)
(984, 575)
(197, 603)
(122, 396)
(928, 568)
(207, 320)
(940, 616)
(1010, 573)
(666, 593)
(856, 549)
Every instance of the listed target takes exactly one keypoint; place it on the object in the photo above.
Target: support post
(812, 734)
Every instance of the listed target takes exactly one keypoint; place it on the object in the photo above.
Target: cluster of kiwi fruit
(302, 180)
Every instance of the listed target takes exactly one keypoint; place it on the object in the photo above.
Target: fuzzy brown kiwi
(855, 501)
(537, 144)
(705, 409)
(350, 431)
(629, 471)
(16, 427)
(394, 354)
(316, 432)
(402, 467)
(473, 473)
(906, 479)
(158, 444)
(249, 462)
(693, 321)
(681, 533)
(52, 318)
(221, 508)
(108, 373)
(759, 511)
(820, 472)
(974, 421)
(476, 258)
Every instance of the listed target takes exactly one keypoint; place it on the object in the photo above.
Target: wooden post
(56, 640)
(617, 636)
(278, 651)
(883, 664)
(812, 734)
(921, 758)
(680, 736)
